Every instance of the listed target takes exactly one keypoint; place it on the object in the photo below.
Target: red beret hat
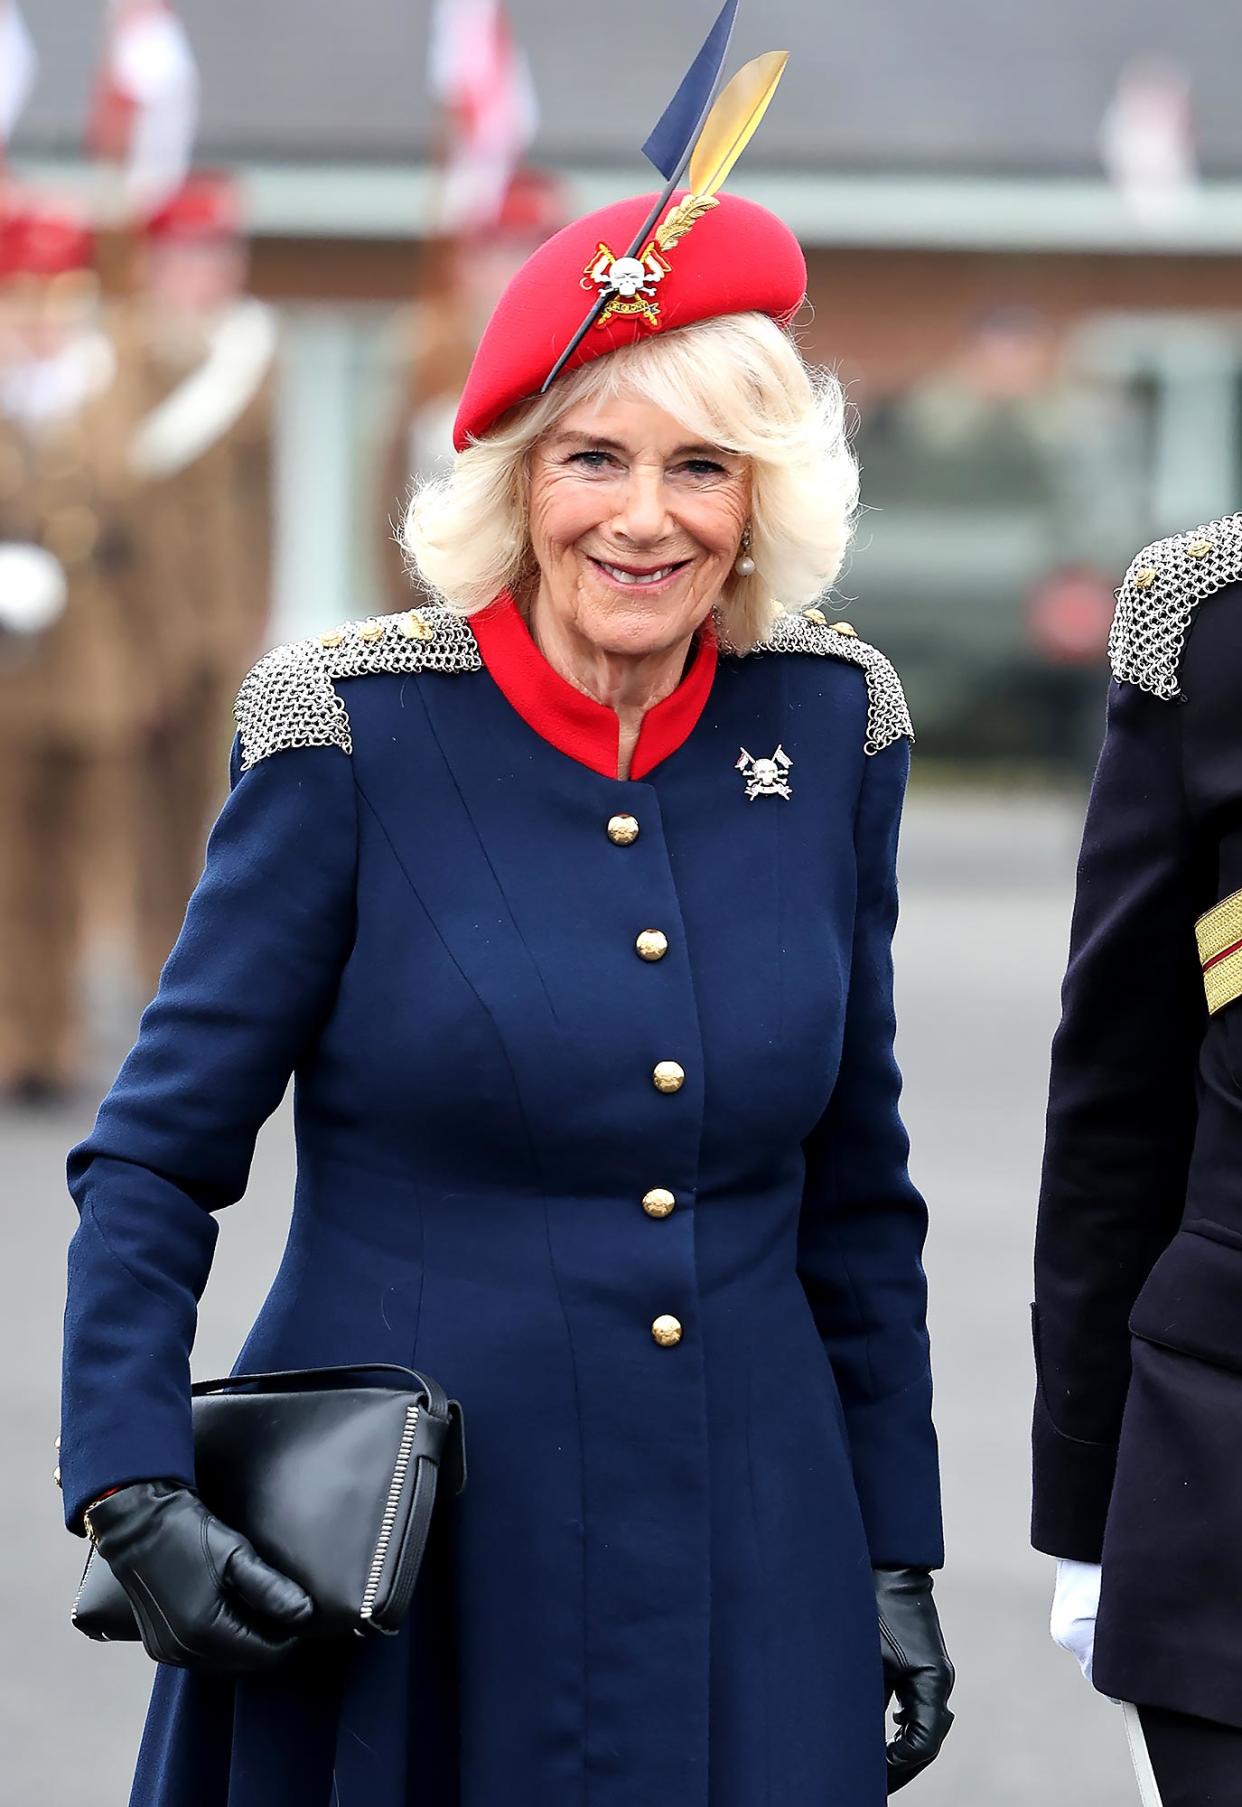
(730, 257)
(534, 204)
(207, 207)
(46, 239)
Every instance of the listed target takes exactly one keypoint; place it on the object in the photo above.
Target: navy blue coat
(1138, 1419)
(657, 1584)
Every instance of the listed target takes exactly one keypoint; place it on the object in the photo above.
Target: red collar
(576, 724)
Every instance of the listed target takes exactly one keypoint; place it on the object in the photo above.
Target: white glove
(33, 591)
(1075, 1603)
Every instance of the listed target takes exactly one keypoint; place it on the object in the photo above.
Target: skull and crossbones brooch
(765, 777)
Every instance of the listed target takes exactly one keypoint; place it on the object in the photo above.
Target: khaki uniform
(204, 450)
(72, 700)
(435, 345)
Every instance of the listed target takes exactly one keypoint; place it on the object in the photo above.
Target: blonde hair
(736, 381)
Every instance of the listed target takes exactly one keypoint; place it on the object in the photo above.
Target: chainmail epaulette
(810, 631)
(1161, 591)
(289, 698)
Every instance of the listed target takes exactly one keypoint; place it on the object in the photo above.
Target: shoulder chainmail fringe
(810, 631)
(289, 699)
(1160, 593)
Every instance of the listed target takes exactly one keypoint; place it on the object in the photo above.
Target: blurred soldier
(203, 356)
(73, 642)
(435, 338)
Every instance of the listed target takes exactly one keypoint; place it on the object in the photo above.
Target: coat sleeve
(863, 1223)
(245, 990)
(1121, 1111)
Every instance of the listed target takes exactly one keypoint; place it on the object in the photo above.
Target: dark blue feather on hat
(671, 141)
(673, 135)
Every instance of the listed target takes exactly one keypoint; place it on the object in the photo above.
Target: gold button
(652, 944)
(843, 627)
(1144, 579)
(416, 627)
(666, 1331)
(668, 1076)
(56, 1476)
(332, 639)
(622, 830)
(815, 615)
(371, 630)
(658, 1202)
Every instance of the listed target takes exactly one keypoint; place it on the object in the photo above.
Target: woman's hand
(917, 1671)
(1075, 1605)
(203, 1598)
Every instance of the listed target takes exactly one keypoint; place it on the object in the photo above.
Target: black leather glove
(202, 1596)
(916, 1669)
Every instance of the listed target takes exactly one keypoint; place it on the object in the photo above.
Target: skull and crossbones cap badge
(653, 262)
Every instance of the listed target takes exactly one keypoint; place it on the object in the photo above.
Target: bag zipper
(390, 1512)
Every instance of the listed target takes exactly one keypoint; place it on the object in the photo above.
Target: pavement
(986, 894)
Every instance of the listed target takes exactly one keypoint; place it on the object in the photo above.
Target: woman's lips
(646, 582)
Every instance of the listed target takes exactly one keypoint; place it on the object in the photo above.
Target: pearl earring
(744, 564)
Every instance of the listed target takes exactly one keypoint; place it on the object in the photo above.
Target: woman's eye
(703, 467)
(592, 461)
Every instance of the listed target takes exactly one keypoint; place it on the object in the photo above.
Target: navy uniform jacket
(424, 898)
(1138, 1313)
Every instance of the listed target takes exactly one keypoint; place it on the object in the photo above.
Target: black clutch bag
(333, 1482)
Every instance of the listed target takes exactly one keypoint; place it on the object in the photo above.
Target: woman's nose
(643, 515)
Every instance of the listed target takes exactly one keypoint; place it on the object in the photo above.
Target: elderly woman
(568, 900)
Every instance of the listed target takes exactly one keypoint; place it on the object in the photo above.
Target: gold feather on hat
(727, 130)
(683, 216)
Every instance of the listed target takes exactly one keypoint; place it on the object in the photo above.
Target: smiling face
(635, 526)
